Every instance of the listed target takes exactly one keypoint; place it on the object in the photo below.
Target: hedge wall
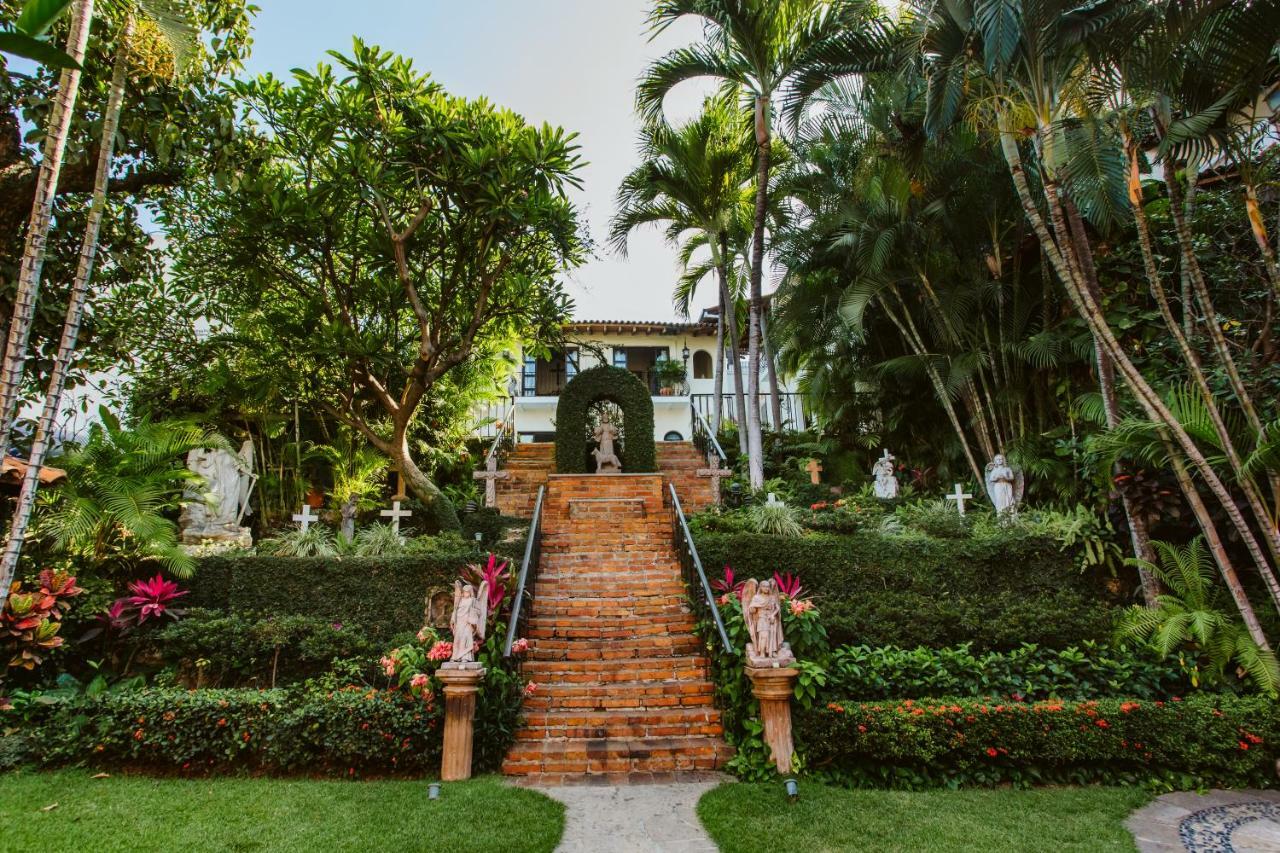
(616, 385)
(1200, 742)
(877, 590)
(383, 595)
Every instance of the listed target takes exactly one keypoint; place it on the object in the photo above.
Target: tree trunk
(755, 443)
(75, 312)
(420, 485)
(717, 391)
(348, 510)
(33, 251)
(771, 368)
(731, 329)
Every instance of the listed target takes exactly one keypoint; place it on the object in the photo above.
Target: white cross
(960, 497)
(491, 475)
(773, 500)
(395, 514)
(305, 517)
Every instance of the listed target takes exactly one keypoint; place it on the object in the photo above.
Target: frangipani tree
(383, 235)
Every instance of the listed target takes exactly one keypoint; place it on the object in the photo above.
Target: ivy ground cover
(757, 818)
(71, 811)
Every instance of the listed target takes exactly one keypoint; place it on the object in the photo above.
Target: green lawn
(142, 814)
(749, 818)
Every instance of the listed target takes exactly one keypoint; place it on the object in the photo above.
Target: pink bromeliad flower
(727, 584)
(442, 650)
(788, 584)
(154, 597)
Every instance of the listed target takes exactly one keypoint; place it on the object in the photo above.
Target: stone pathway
(633, 818)
(1216, 822)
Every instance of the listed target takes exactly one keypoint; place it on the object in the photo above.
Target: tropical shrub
(31, 618)
(996, 591)
(775, 519)
(1197, 742)
(616, 385)
(315, 541)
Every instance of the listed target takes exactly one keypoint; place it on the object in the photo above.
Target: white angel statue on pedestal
(470, 616)
(1005, 485)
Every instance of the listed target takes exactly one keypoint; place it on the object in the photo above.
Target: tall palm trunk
(755, 442)
(735, 335)
(1091, 312)
(33, 251)
(717, 398)
(771, 369)
(75, 312)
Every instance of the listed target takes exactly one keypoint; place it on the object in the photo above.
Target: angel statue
(470, 614)
(1004, 485)
(886, 484)
(762, 611)
(607, 461)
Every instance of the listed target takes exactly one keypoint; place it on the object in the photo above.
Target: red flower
(992, 751)
(1244, 746)
(1103, 724)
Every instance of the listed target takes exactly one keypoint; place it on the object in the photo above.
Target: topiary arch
(619, 386)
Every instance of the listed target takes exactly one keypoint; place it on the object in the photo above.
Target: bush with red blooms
(31, 618)
(1201, 741)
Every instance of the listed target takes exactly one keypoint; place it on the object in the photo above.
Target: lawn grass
(749, 818)
(143, 814)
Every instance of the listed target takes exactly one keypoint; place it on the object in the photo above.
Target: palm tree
(1188, 617)
(691, 178)
(179, 37)
(758, 49)
(33, 251)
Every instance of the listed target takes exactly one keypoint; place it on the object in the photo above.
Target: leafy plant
(777, 519)
(499, 577)
(379, 540)
(31, 619)
(315, 541)
(153, 598)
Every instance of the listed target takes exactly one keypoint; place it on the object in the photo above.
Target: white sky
(572, 63)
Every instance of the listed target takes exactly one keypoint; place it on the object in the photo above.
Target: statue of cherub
(762, 611)
(470, 616)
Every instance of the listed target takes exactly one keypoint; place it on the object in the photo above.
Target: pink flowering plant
(499, 577)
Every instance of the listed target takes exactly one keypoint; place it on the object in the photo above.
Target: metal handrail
(508, 425)
(528, 566)
(715, 443)
(691, 564)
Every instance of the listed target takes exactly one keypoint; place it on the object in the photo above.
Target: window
(702, 368)
(673, 435)
(620, 357)
(529, 377)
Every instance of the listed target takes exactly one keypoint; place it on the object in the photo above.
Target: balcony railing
(790, 403)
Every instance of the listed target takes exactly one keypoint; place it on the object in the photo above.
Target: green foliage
(776, 519)
(998, 591)
(618, 386)
(1088, 671)
(315, 541)
(381, 596)
(1188, 620)
(1199, 742)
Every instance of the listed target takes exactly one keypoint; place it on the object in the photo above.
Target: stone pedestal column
(460, 687)
(773, 688)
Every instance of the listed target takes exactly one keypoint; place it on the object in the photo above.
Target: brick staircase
(529, 465)
(623, 689)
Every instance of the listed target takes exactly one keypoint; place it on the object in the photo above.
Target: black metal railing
(705, 439)
(528, 577)
(701, 597)
(504, 434)
(790, 404)
(493, 417)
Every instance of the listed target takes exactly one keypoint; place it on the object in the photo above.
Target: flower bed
(1201, 741)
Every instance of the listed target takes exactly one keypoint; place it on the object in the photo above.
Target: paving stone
(1213, 822)
(636, 818)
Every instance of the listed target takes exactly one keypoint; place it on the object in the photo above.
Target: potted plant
(671, 376)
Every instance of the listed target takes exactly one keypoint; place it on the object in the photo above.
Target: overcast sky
(568, 62)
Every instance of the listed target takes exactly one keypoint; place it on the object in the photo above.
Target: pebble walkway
(633, 818)
(1216, 822)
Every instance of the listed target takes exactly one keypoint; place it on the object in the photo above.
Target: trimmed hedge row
(617, 385)
(996, 592)
(1202, 741)
(385, 596)
(345, 732)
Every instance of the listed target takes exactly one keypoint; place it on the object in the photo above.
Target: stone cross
(305, 517)
(772, 500)
(815, 469)
(960, 497)
(491, 475)
(715, 474)
(395, 514)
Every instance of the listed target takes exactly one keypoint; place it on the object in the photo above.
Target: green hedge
(385, 596)
(616, 385)
(343, 732)
(1200, 742)
(997, 592)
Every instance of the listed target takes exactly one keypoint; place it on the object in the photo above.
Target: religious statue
(886, 484)
(1004, 485)
(470, 616)
(217, 502)
(607, 461)
(762, 611)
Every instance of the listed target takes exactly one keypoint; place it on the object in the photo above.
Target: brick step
(585, 630)
(561, 648)
(623, 755)
(621, 696)
(609, 608)
(608, 671)
(666, 623)
(607, 588)
(667, 722)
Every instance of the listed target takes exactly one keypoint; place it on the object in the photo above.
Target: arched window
(673, 435)
(702, 365)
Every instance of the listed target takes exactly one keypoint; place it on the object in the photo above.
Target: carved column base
(460, 687)
(773, 687)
